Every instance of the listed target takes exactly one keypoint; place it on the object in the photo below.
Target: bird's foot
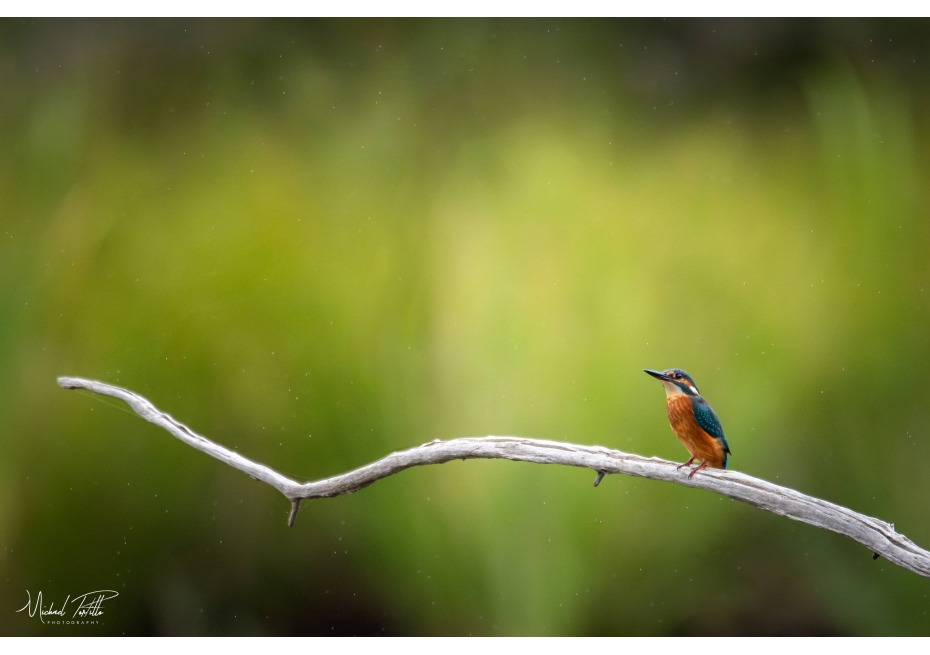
(688, 463)
(691, 474)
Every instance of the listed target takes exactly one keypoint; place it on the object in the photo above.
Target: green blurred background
(321, 241)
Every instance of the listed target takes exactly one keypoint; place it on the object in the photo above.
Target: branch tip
(600, 476)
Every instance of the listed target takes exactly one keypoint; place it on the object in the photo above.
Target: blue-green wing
(707, 419)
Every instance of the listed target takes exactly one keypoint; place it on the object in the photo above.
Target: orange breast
(701, 445)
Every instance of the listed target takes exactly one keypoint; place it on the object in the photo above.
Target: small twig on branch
(878, 536)
(295, 507)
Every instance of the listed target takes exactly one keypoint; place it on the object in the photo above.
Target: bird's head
(675, 381)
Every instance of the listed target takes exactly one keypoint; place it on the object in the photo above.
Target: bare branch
(879, 537)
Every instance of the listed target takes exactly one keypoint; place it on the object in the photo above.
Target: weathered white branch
(876, 535)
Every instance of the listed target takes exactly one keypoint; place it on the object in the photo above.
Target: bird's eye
(675, 375)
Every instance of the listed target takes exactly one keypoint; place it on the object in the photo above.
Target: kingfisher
(693, 421)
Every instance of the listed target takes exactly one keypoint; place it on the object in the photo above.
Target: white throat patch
(672, 389)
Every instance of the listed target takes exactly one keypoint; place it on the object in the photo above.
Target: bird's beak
(656, 374)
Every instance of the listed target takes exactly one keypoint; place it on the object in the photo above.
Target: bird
(693, 420)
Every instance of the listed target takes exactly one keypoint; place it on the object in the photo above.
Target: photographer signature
(88, 605)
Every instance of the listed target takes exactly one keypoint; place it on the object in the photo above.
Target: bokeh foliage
(320, 241)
